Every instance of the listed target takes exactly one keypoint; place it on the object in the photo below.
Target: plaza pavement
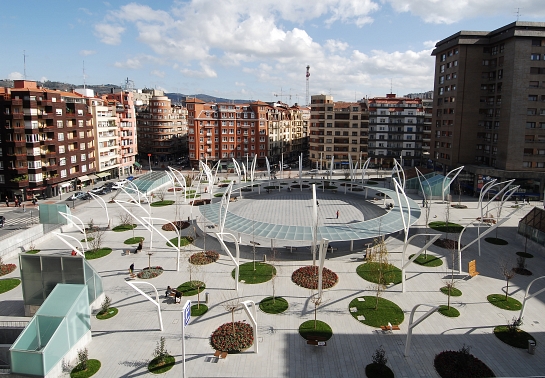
(124, 344)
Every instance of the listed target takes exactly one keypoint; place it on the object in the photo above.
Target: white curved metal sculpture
(412, 324)
(155, 302)
(444, 187)
(527, 296)
(69, 217)
(102, 204)
(364, 168)
(253, 319)
(62, 237)
(150, 220)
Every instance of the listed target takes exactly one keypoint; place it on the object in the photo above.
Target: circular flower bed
(200, 202)
(457, 364)
(152, 272)
(180, 225)
(177, 189)
(307, 277)
(225, 340)
(204, 258)
(513, 336)
(7, 269)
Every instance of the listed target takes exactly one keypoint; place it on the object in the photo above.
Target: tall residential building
(48, 141)
(397, 130)
(337, 129)
(162, 131)
(489, 99)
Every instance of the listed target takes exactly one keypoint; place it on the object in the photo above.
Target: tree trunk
(507, 290)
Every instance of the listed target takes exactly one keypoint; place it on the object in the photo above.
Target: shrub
(224, 339)
(148, 273)
(204, 258)
(379, 357)
(460, 364)
(105, 306)
(83, 358)
(307, 277)
(160, 352)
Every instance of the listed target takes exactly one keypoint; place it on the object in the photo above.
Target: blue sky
(244, 49)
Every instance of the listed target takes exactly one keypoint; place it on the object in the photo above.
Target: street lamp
(149, 160)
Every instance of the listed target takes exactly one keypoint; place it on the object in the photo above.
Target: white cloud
(87, 52)
(158, 73)
(333, 45)
(205, 72)
(109, 34)
(238, 84)
(131, 63)
(16, 76)
(43, 78)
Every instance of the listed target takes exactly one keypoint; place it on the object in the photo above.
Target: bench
(390, 328)
(331, 249)
(172, 294)
(291, 248)
(220, 354)
(471, 268)
(316, 343)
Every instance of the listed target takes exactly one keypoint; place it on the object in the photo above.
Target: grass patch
(367, 271)
(218, 195)
(387, 311)
(198, 310)
(124, 227)
(135, 240)
(526, 255)
(443, 227)
(92, 367)
(161, 203)
(517, 338)
(112, 311)
(184, 240)
(187, 289)
(273, 306)
(453, 291)
(427, 260)
(321, 332)
(192, 196)
(498, 300)
(157, 367)
(449, 312)
(263, 272)
(8, 283)
(496, 241)
(34, 251)
(88, 239)
(98, 253)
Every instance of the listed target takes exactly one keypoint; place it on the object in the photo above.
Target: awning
(103, 174)
(84, 178)
(66, 184)
(38, 188)
(137, 164)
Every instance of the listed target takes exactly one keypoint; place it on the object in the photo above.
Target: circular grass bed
(496, 241)
(516, 338)
(263, 272)
(176, 225)
(97, 253)
(89, 239)
(156, 366)
(124, 227)
(499, 300)
(526, 255)
(271, 187)
(225, 340)
(218, 195)
(199, 309)
(374, 370)
(315, 330)
(161, 203)
(448, 312)
(427, 260)
(192, 196)
(204, 258)
(387, 311)
(112, 311)
(134, 240)
(444, 227)
(307, 277)
(190, 288)
(8, 283)
(274, 305)
(34, 251)
(151, 272)
(453, 291)
(304, 186)
(7, 269)
(184, 240)
(92, 367)
(457, 364)
(368, 271)
(458, 206)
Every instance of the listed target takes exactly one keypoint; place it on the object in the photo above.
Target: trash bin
(531, 347)
(264, 258)
(206, 297)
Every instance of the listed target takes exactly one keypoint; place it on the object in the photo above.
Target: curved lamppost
(69, 217)
(102, 204)
(62, 238)
(444, 187)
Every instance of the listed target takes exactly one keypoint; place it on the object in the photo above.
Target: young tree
(317, 300)
(98, 239)
(160, 352)
(450, 283)
(508, 273)
(160, 194)
(378, 260)
(231, 304)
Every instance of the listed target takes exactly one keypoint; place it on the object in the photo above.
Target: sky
(244, 49)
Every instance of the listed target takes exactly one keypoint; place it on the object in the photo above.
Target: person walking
(131, 269)
(7, 201)
(16, 201)
(337, 214)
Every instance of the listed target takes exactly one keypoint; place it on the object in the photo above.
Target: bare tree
(317, 300)
(125, 219)
(450, 283)
(378, 259)
(197, 283)
(231, 304)
(161, 193)
(508, 273)
(98, 239)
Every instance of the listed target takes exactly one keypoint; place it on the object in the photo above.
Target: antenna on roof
(84, 83)
(518, 13)
(391, 91)
(24, 64)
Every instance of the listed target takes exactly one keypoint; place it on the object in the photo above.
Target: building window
(527, 164)
(531, 111)
(535, 56)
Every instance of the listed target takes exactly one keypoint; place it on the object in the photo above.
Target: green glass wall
(62, 320)
(49, 213)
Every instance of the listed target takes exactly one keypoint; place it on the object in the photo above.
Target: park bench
(291, 248)
(471, 268)
(220, 354)
(390, 327)
(331, 249)
(317, 341)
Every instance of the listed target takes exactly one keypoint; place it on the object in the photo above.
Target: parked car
(313, 172)
(119, 184)
(75, 196)
(329, 172)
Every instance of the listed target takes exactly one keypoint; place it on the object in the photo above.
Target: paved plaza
(124, 344)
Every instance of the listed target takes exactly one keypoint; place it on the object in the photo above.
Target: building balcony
(16, 102)
(45, 116)
(18, 116)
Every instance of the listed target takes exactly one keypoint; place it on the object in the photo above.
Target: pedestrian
(7, 201)
(16, 201)
(206, 189)
(317, 204)
(131, 269)
(337, 214)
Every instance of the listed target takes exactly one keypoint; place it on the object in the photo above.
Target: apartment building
(398, 129)
(337, 129)
(489, 98)
(162, 131)
(47, 141)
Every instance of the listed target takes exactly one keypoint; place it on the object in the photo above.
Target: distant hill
(67, 87)
(180, 98)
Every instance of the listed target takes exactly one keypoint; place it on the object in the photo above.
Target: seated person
(169, 290)
(139, 247)
(177, 295)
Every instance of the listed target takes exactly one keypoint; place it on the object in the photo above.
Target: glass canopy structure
(389, 223)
